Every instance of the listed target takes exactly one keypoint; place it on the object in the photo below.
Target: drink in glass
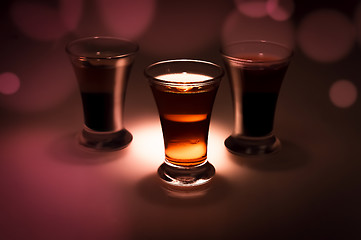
(184, 91)
(256, 70)
(102, 67)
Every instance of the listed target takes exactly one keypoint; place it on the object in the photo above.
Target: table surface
(310, 190)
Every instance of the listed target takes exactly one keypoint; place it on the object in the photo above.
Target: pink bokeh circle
(326, 35)
(252, 8)
(343, 93)
(280, 10)
(239, 27)
(9, 83)
(184, 28)
(127, 18)
(45, 23)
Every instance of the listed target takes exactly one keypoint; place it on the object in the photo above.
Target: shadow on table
(66, 149)
(153, 190)
(291, 156)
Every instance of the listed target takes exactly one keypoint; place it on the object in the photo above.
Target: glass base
(186, 177)
(105, 141)
(252, 146)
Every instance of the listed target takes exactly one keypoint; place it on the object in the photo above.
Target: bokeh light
(343, 93)
(126, 18)
(45, 23)
(47, 81)
(252, 8)
(9, 83)
(280, 10)
(184, 28)
(326, 35)
(238, 27)
(70, 12)
(37, 21)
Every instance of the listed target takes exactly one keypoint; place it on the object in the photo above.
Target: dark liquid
(259, 85)
(258, 113)
(102, 90)
(185, 118)
(99, 111)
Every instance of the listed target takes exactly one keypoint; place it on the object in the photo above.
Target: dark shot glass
(184, 91)
(256, 70)
(102, 67)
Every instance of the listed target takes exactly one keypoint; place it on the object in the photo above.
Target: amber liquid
(185, 116)
(256, 87)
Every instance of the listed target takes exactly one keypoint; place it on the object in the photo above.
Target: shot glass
(256, 70)
(102, 66)
(184, 91)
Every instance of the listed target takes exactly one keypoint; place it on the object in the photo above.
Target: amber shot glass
(184, 91)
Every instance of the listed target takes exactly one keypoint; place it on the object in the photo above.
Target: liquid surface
(183, 77)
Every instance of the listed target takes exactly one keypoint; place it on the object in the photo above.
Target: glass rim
(263, 42)
(115, 56)
(176, 83)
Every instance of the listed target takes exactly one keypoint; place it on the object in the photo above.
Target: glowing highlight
(185, 117)
(188, 150)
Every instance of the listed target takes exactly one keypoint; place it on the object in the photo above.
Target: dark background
(310, 190)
